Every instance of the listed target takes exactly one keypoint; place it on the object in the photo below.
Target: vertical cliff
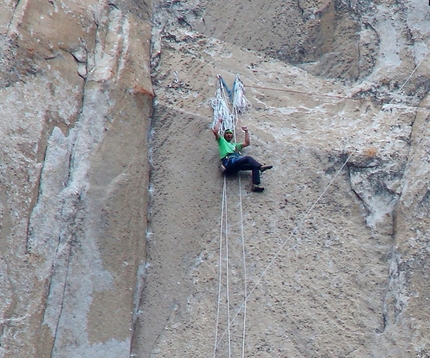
(335, 248)
(113, 208)
(76, 99)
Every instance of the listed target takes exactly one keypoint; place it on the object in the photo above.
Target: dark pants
(235, 164)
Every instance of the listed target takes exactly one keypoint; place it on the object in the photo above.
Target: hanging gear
(240, 103)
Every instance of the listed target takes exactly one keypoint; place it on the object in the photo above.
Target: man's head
(228, 135)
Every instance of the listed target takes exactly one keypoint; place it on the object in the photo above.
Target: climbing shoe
(257, 188)
(265, 167)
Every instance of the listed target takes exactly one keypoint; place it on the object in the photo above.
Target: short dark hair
(228, 131)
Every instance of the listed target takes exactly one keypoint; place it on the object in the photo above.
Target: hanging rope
(245, 279)
(220, 267)
(223, 247)
(227, 271)
(220, 107)
(240, 103)
(230, 121)
(240, 99)
(242, 236)
(296, 228)
(221, 110)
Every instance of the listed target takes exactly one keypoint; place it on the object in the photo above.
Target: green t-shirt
(225, 147)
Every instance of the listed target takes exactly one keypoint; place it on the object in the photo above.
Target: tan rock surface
(76, 99)
(328, 271)
(93, 264)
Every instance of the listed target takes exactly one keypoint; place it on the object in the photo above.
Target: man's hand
(246, 142)
(217, 127)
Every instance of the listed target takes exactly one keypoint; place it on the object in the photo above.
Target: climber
(231, 159)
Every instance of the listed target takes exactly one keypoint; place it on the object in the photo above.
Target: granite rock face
(335, 250)
(114, 216)
(75, 99)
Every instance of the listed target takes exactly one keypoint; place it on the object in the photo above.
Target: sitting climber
(231, 159)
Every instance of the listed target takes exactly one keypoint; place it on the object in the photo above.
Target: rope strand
(240, 104)
(244, 267)
(227, 268)
(283, 245)
(221, 110)
(220, 269)
(413, 71)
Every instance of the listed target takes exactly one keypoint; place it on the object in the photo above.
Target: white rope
(222, 243)
(283, 245)
(227, 269)
(240, 103)
(229, 121)
(221, 109)
(407, 80)
(236, 116)
(220, 268)
(244, 267)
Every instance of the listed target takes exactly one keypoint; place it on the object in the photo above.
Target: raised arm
(216, 128)
(247, 141)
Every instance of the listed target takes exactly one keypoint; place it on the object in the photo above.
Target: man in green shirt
(231, 158)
